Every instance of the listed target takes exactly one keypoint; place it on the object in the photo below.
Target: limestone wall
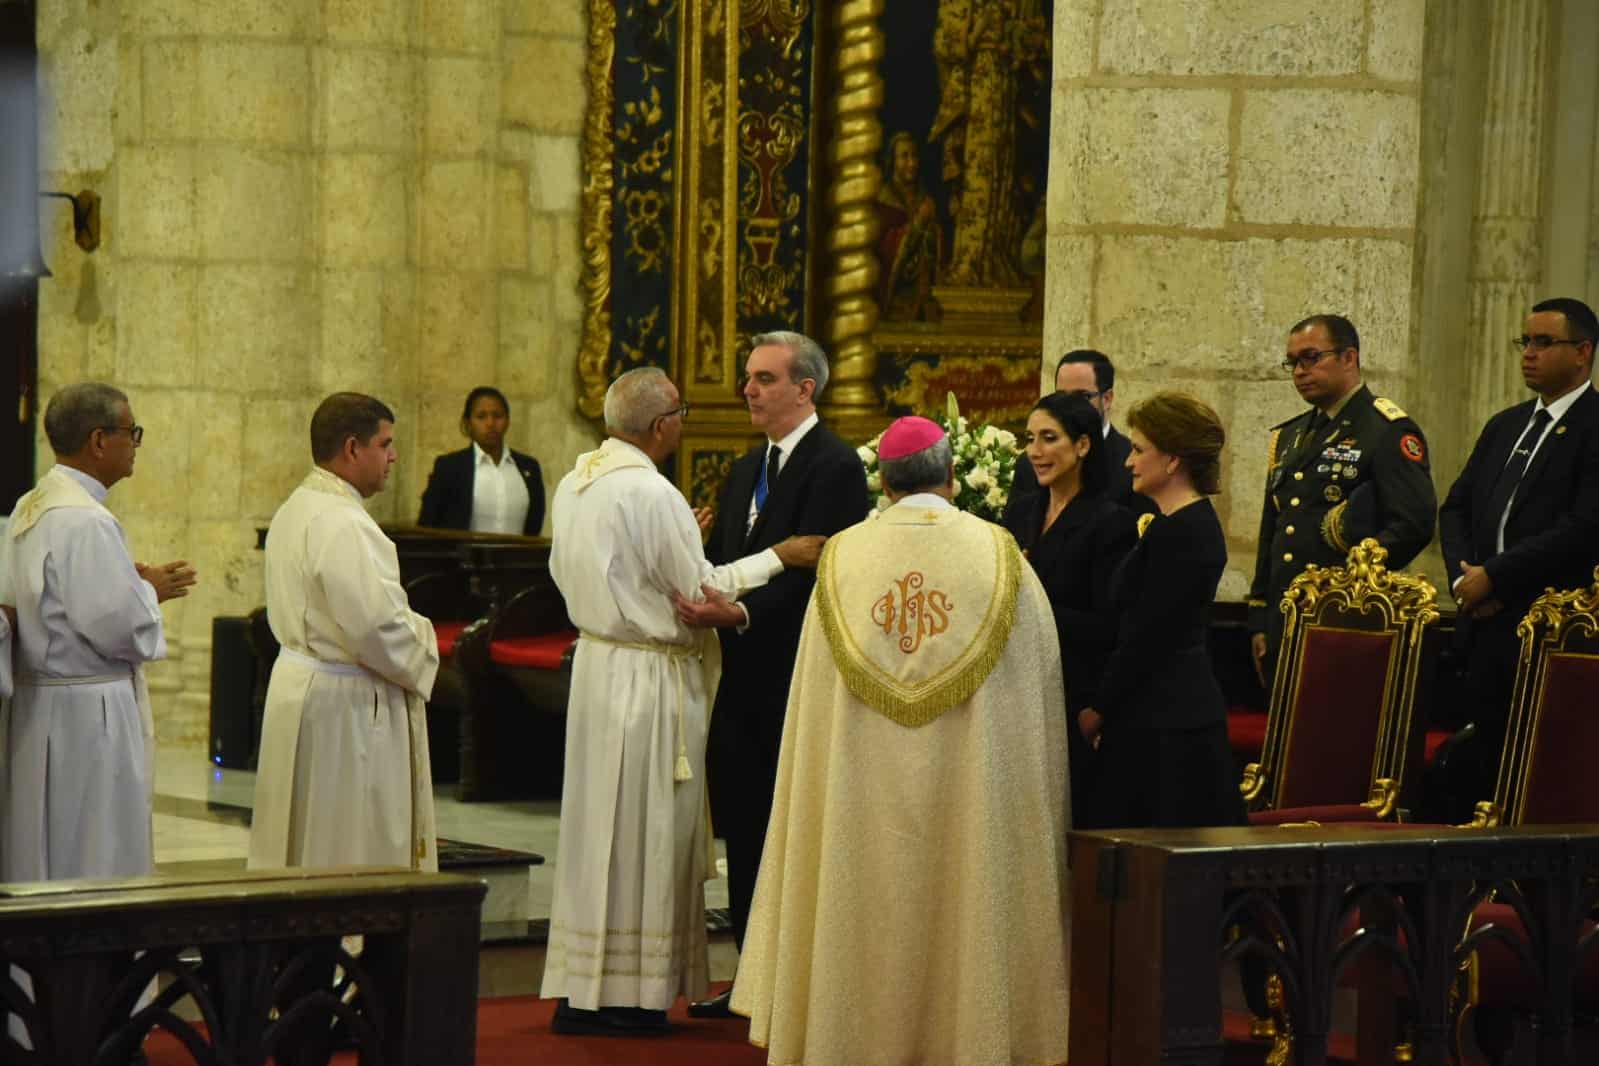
(1219, 170)
(303, 196)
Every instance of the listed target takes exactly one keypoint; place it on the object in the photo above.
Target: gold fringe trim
(938, 695)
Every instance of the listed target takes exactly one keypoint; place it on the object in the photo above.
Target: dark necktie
(768, 478)
(1510, 476)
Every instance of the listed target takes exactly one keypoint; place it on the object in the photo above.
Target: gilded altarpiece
(872, 177)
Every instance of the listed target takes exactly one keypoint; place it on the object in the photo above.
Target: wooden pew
(254, 955)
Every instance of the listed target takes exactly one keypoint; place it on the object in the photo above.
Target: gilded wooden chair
(1342, 714)
(1546, 776)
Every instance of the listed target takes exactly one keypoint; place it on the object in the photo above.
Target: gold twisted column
(852, 237)
(598, 184)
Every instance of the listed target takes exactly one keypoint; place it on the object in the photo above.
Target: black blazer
(447, 501)
(1160, 676)
(1552, 533)
(1118, 482)
(822, 489)
(1074, 560)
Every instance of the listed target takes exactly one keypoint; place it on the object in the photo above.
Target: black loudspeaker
(233, 668)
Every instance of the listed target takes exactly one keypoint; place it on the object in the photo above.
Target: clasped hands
(1474, 592)
(716, 609)
(170, 580)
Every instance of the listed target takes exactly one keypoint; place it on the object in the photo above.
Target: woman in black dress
(1159, 720)
(1074, 536)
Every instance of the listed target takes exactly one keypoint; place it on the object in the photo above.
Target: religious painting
(958, 208)
(965, 152)
(872, 175)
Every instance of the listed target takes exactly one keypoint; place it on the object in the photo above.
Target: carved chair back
(1343, 698)
(1546, 772)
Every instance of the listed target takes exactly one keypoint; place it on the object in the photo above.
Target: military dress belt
(323, 666)
(676, 654)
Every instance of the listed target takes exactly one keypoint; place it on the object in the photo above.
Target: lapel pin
(1559, 430)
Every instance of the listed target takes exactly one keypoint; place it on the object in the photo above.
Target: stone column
(1507, 226)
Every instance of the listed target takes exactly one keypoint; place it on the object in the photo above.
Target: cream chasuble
(911, 903)
(343, 777)
(79, 735)
(627, 924)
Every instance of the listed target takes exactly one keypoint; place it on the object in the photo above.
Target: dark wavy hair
(1079, 419)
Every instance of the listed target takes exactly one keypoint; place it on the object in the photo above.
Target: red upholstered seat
(1327, 812)
(1504, 982)
(1560, 783)
(1246, 731)
(1434, 740)
(1341, 692)
(448, 633)
(542, 652)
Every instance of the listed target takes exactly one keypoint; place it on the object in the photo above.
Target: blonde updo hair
(1187, 428)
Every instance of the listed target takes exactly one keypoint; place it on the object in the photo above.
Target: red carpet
(515, 1031)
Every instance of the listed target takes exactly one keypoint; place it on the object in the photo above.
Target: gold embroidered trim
(1143, 523)
(1271, 448)
(957, 683)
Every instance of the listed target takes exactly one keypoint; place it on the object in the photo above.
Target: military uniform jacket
(1363, 474)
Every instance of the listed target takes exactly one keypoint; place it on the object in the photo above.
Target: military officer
(1353, 466)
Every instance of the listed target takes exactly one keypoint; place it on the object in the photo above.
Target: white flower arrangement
(985, 462)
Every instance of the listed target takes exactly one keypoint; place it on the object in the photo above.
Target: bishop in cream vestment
(79, 736)
(627, 925)
(343, 777)
(911, 903)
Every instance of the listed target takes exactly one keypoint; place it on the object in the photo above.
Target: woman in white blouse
(485, 487)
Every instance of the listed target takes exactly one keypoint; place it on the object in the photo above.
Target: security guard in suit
(1353, 466)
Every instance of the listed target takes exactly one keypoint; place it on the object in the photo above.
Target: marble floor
(202, 819)
(202, 815)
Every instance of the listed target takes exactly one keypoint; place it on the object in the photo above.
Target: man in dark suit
(485, 486)
(802, 479)
(1351, 466)
(1523, 516)
(1089, 374)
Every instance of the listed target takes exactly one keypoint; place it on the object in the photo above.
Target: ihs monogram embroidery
(915, 613)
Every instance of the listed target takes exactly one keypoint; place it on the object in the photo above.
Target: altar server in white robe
(911, 902)
(343, 776)
(627, 925)
(79, 735)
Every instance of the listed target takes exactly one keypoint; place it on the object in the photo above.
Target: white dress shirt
(788, 444)
(1557, 411)
(499, 495)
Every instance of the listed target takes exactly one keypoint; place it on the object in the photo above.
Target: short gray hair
(918, 471)
(635, 400)
(809, 359)
(77, 411)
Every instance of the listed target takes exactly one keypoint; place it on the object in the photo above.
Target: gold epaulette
(1388, 409)
(1271, 446)
(1143, 522)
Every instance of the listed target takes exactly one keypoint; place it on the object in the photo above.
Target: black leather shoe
(716, 1007)
(608, 1021)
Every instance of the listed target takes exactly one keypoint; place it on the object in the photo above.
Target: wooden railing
(1157, 916)
(254, 957)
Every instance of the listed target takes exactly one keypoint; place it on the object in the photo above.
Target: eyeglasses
(680, 411)
(1308, 358)
(135, 433)
(1086, 394)
(1538, 342)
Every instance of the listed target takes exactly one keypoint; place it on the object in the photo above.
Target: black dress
(1074, 559)
(1164, 755)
